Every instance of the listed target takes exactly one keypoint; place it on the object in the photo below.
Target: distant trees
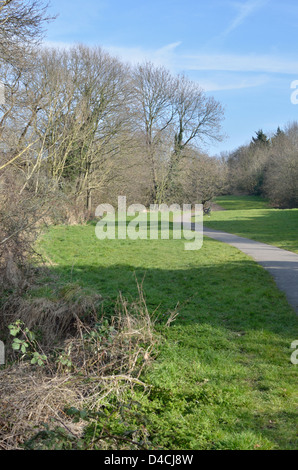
(261, 139)
(203, 178)
(281, 178)
(268, 167)
(246, 168)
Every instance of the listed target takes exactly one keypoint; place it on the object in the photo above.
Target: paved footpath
(282, 264)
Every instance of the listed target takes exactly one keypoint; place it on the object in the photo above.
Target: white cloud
(58, 44)
(165, 56)
(245, 9)
(177, 61)
(239, 63)
(234, 84)
(169, 56)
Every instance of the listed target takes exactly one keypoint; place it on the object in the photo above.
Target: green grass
(223, 378)
(247, 216)
(242, 202)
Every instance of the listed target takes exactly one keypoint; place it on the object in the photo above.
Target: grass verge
(247, 216)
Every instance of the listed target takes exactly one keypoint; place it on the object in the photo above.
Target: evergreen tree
(279, 132)
(260, 139)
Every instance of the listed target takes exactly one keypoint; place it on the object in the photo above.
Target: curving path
(282, 264)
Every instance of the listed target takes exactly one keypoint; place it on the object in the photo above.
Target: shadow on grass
(223, 378)
(237, 295)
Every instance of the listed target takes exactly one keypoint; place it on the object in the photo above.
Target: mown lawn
(223, 378)
(248, 217)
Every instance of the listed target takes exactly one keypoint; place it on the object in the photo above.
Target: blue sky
(244, 53)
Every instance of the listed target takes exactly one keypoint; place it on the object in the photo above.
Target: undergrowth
(51, 397)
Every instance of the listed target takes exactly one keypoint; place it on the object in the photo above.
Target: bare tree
(198, 117)
(197, 120)
(175, 114)
(21, 28)
(247, 166)
(153, 89)
(202, 177)
(77, 118)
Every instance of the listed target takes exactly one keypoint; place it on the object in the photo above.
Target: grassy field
(223, 378)
(242, 202)
(249, 217)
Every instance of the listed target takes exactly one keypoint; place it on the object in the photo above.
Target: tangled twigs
(100, 360)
